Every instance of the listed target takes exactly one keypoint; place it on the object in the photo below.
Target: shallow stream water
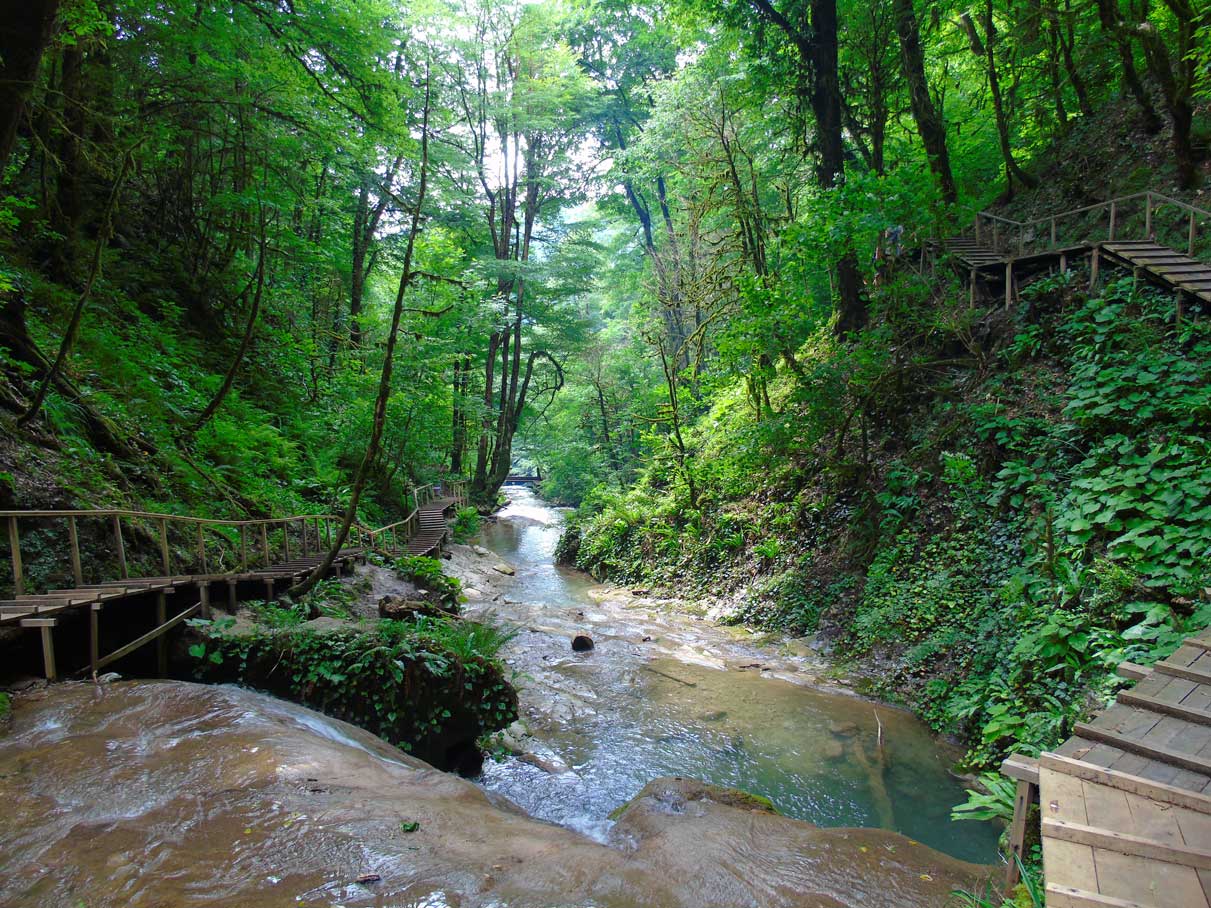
(694, 700)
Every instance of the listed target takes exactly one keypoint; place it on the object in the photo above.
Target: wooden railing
(1142, 215)
(203, 545)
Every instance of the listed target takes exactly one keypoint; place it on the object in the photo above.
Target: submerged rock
(277, 805)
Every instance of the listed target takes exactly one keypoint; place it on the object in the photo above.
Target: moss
(6, 711)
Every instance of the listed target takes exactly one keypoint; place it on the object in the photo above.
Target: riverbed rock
(843, 729)
(501, 568)
(480, 551)
(398, 608)
(255, 764)
(582, 643)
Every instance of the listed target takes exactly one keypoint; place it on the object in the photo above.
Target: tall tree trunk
(25, 31)
(817, 48)
(245, 341)
(1176, 74)
(1012, 170)
(930, 124)
(1112, 24)
(384, 383)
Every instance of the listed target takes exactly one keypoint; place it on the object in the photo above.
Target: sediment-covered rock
(244, 800)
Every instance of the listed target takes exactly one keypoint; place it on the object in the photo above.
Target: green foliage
(427, 573)
(6, 706)
(466, 524)
(994, 802)
(402, 680)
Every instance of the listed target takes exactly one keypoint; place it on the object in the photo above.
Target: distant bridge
(517, 479)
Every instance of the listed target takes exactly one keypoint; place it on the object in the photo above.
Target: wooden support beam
(231, 596)
(1122, 843)
(73, 541)
(1123, 781)
(1024, 797)
(161, 643)
(1182, 760)
(204, 598)
(94, 636)
(1022, 768)
(243, 547)
(120, 545)
(48, 648)
(153, 634)
(14, 545)
(1176, 710)
(265, 543)
(201, 550)
(1093, 269)
(306, 545)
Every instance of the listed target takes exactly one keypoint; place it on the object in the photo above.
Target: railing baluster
(243, 547)
(73, 539)
(164, 559)
(286, 541)
(201, 549)
(121, 546)
(14, 545)
(1113, 217)
(1190, 238)
(265, 543)
(306, 545)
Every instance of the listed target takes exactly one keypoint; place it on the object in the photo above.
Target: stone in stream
(501, 568)
(582, 643)
(400, 609)
(480, 551)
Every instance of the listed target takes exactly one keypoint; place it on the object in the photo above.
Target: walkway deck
(433, 529)
(1126, 801)
(1173, 268)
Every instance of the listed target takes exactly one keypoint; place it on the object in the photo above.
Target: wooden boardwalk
(217, 542)
(1126, 801)
(999, 250)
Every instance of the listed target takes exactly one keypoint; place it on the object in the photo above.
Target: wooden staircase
(433, 528)
(1173, 268)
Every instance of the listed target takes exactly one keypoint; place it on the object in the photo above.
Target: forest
(700, 266)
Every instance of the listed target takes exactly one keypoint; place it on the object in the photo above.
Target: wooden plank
(1123, 843)
(1132, 671)
(1176, 710)
(1168, 667)
(1071, 897)
(1152, 752)
(149, 636)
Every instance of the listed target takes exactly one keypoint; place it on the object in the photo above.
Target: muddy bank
(182, 794)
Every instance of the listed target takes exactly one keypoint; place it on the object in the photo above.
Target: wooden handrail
(307, 527)
(1049, 223)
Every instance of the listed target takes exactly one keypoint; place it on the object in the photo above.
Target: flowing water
(693, 700)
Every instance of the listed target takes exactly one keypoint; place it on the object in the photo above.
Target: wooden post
(286, 541)
(1017, 831)
(306, 545)
(1190, 237)
(162, 640)
(1063, 264)
(1053, 233)
(319, 546)
(231, 597)
(121, 546)
(164, 547)
(1008, 284)
(203, 598)
(265, 544)
(268, 589)
(1147, 215)
(243, 547)
(1113, 218)
(14, 545)
(94, 636)
(1093, 268)
(73, 539)
(201, 549)
(48, 645)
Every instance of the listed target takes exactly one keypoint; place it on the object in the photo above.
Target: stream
(664, 693)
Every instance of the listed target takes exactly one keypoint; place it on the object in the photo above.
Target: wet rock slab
(180, 794)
